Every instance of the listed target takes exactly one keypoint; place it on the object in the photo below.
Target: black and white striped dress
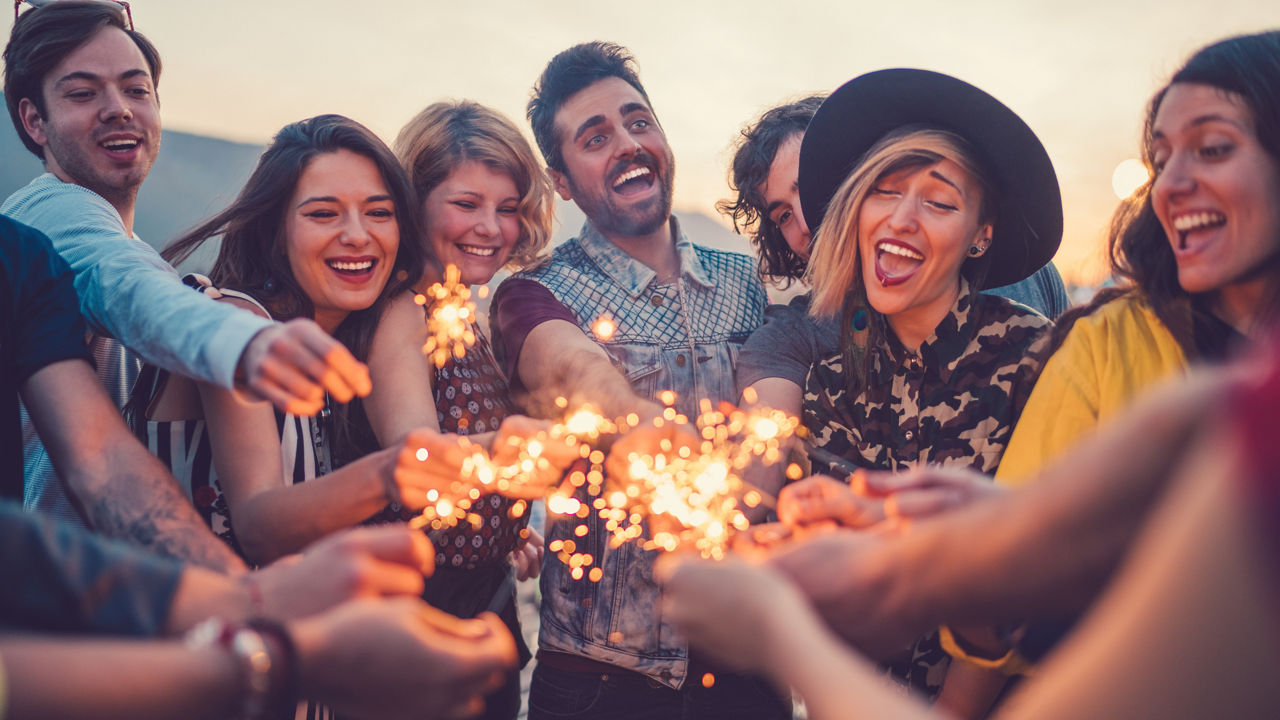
(183, 445)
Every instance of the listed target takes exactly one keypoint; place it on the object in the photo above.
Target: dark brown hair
(1248, 67)
(253, 256)
(757, 146)
(43, 36)
(568, 72)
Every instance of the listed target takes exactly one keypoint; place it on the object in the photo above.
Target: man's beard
(632, 221)
(78, 165)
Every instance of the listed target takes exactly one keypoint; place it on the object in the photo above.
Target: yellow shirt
(1107, 359)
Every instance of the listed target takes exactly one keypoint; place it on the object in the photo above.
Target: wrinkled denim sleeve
(127, 291)
(57, 578)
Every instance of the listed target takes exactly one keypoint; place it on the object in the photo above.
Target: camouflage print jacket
(954, 403)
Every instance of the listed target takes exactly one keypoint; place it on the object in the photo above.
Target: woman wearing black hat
(924, 190)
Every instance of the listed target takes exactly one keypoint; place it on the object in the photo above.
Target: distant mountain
(196, 176)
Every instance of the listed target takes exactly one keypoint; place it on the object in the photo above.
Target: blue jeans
(557, 694)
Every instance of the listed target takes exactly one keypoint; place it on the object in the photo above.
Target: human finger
(393, 543)
(342, 372)
(302, 346)
(277, 370)
(922, 503)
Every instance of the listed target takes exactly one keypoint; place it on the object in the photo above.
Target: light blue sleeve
(127, 291)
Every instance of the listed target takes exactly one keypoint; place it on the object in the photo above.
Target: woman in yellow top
(1199, 245)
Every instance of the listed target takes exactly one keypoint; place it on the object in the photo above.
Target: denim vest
(682, 336)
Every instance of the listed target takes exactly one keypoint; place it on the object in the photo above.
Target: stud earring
(974, 251)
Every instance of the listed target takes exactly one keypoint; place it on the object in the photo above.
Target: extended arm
(389, 659)
(128, 292)
(124, 490)
(1044, 551)
(558, 360)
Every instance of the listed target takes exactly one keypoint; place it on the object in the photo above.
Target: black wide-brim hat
(1028, 227)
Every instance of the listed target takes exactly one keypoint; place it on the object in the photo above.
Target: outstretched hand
(819, 499)
(402, 658)
(293, 364)
(732, 609)
(516, 436)
(357, 563)
(924, 491)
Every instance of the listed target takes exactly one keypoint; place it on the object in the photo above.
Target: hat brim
(1028, 228)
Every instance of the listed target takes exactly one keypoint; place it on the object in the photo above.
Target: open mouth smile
(121, 146)
(633, 181)
(355, 269)
(896, 262)
(1196, 221)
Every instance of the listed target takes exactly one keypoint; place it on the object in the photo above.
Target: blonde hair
(446, 134)
(835, 266)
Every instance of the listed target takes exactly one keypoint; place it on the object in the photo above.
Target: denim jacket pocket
(642, 364)
(573, 599)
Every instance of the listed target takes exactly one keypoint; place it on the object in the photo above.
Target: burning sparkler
(449, 318)
(686, 496)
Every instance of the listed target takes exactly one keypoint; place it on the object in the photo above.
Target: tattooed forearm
(152, 513)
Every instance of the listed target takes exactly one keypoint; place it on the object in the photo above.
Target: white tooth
(630, 175)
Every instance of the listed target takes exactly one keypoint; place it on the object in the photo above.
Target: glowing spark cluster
(683, 496)
(524, 475)
(450, 312)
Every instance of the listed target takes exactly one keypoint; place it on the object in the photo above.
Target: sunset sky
(1078, 72)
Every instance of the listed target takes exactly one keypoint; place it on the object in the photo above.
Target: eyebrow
(77, 75)
(332, 199)
(92, 77)
(595, 120)
(591, 122)
(1198, 121)
(943, 178)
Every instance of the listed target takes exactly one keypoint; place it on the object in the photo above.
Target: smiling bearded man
(679, 314)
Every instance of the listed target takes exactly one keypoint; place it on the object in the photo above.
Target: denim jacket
(682, 336)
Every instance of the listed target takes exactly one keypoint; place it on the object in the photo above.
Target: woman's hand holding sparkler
(427, 469)
(534, 454)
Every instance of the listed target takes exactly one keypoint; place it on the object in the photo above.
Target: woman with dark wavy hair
(1198, 248)
(324, 229)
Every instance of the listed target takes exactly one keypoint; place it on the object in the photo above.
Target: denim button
(681, 360)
